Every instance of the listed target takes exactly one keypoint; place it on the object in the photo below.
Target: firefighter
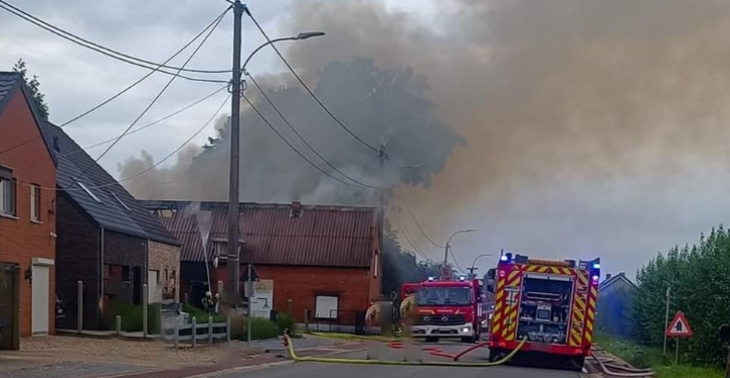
(208, 304)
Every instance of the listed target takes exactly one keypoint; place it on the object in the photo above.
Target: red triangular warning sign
(679, 327)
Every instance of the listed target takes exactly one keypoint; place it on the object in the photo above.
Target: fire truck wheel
(496, 354)
(576, 363)
(432, 339)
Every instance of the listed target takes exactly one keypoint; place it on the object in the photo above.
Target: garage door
(41, 299)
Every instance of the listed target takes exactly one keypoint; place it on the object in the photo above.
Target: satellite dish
(215, 263)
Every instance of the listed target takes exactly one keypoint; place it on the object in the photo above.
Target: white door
(41, 299)
(154, 291)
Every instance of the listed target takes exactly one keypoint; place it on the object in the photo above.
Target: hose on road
(292, 352)
(628, 372)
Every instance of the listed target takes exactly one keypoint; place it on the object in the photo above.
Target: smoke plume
(594, 128)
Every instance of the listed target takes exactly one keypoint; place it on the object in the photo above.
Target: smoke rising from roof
(593, 127)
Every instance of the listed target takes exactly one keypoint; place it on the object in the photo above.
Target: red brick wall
(301, 284)
(20, 239)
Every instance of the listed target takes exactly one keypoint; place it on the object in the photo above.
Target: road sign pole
(676, 357)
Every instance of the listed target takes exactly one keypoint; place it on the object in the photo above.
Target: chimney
(296, 209)
(56, 144)
(608, 276)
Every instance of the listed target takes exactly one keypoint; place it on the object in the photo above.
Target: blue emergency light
(596, 266)
(431, 278)
(503, 258)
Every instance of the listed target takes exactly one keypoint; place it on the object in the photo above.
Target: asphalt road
(318, 370)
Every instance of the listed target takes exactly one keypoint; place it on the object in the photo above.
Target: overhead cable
(100, 48)
(291, 146)
(415, 220)
(299, 135)
(306, 87)
(157, 97)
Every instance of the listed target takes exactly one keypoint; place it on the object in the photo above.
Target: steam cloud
(593, 127)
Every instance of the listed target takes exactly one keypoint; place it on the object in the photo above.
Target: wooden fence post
(210, 330)
(177, 331)
(228, 329)
(145, 311)
(194, 332)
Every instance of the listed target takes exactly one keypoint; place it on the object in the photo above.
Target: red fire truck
(552, 304)
(446, 309)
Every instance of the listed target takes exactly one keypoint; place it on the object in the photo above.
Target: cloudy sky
(593, 128)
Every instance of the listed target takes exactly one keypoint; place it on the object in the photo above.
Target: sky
(593, 129)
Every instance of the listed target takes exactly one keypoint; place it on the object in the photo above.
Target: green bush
(200, 315)
(263, 329)
(286, 322)
(132, 318)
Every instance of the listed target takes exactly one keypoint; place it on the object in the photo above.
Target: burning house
(317, 259)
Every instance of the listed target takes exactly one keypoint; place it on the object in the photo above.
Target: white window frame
(4, 183)
(35, 203)
(92, 195)
(124, 205)
(324, 304)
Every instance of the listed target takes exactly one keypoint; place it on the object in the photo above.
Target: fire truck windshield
(444, 296)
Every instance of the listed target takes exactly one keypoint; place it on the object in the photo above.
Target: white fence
(175, 332)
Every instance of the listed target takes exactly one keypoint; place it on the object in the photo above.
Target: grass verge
(648, 357)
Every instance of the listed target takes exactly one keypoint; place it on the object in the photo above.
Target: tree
(699, 278)
(34, 86)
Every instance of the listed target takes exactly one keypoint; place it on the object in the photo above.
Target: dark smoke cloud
(593, 127)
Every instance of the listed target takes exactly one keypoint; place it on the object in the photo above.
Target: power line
(409, 239)
(408, 207)
(311, 93)
(100, 48)
(157, 97)
(197, 132)
(123, 91)
(456, 262)
(291, 146)
(153, 123)
(299, 135)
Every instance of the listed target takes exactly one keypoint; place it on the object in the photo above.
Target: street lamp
(473, 268)
(299, 37)
(233, 192)
(447, 246)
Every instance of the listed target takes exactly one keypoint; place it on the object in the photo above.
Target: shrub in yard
(132, 318)
(286, 322)
(263, 329)
(200, 315)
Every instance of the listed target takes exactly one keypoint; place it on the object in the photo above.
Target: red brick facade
(21, 239)
(354, 287)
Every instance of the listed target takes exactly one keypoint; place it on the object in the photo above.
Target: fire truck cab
(552, 304)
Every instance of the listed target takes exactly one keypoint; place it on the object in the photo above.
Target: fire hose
(292, 352)
(605, 365)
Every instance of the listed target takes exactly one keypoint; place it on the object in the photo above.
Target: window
(124, 205)
(7, 197)
(125, 274)
(92, 195)
(35, 203)
(326, 307)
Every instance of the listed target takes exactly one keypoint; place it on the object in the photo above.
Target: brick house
(27, 217)
(107, 240)
(320, 258)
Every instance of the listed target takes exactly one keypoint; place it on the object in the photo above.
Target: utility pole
(381, 158)
(471, 272)
(234, 296)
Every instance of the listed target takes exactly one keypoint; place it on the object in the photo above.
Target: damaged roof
(272, 234)
(97, 193)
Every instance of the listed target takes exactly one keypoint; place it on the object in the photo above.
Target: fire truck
(445, 308)
(552, 304)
